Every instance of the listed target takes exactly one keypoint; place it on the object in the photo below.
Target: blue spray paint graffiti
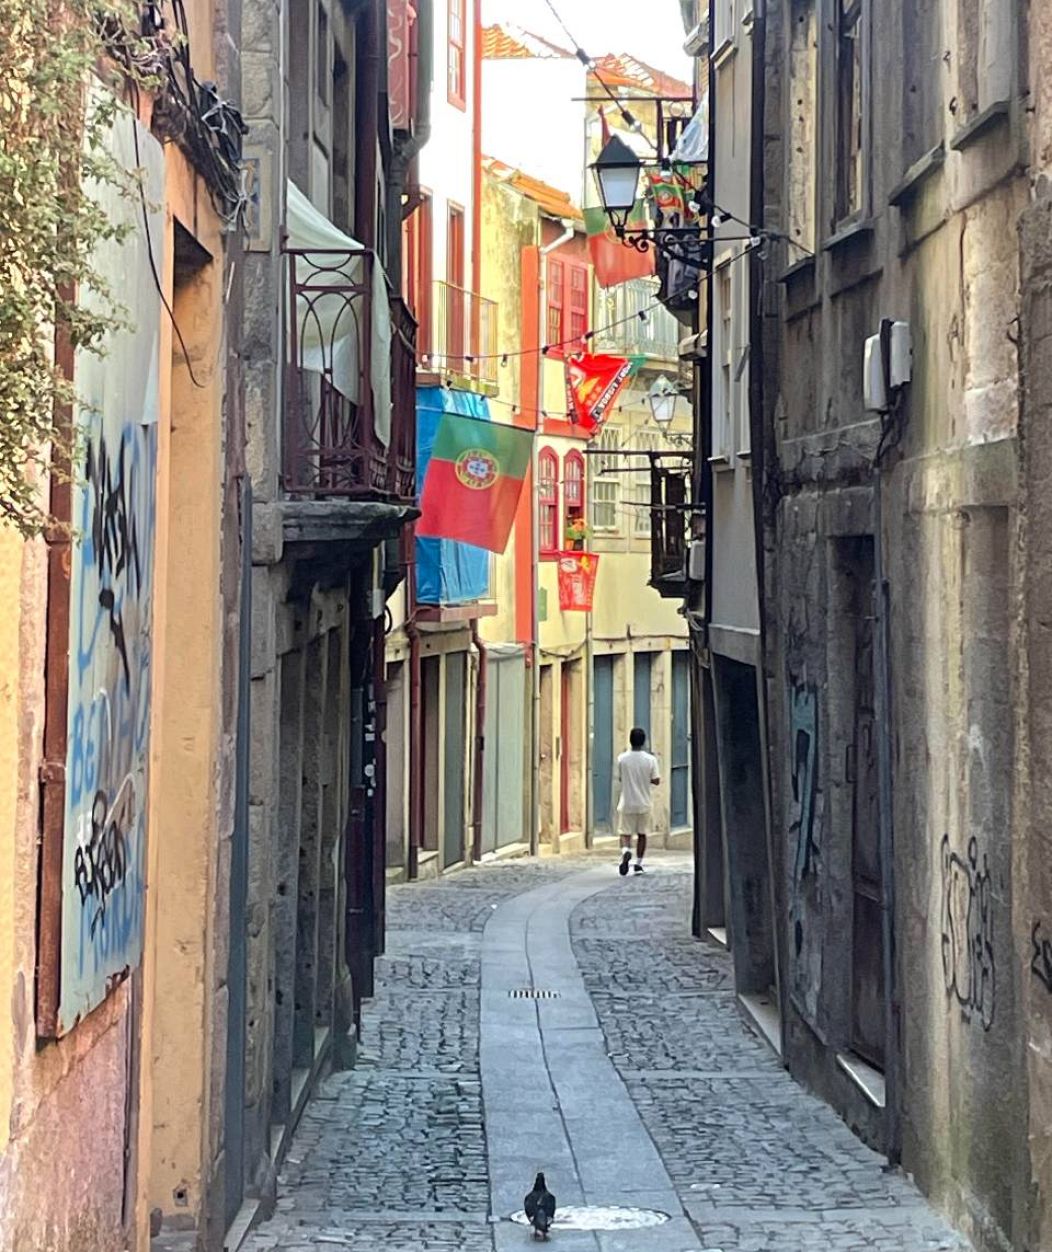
(111, 595)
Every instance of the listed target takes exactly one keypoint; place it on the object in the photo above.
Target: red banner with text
(593, 383)
(577, 571)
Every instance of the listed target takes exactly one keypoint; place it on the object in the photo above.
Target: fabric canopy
(693, 146)
(324, 323)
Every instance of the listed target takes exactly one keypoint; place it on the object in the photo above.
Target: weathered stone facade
(900, 553)
(900, 173)
(323, 555)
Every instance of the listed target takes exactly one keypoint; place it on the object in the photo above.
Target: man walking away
(636, 774)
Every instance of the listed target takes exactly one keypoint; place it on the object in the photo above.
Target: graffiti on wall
(111, 593)
(804, 848)
(1041, 960)
(968, 964)
(803, 774)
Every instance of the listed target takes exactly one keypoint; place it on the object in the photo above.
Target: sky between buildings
(651, 31)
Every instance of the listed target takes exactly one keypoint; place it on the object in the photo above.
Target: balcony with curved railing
(350, 407)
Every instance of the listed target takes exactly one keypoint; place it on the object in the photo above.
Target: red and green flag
(614, 260)
(593, 383)
(474, 481)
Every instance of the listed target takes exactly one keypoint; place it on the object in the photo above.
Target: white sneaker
(626, 857)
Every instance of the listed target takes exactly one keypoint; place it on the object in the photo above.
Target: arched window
(573, 500)
(548, 499)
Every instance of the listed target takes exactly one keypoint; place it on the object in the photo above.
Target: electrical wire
(153, 260)
(587, 337)
(548, 415)
(634, 125)
(627, 117)
(208, 129)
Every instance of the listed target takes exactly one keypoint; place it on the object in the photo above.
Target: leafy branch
(53, 148)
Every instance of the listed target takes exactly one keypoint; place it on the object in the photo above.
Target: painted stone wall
(938, 249)
(111, 587)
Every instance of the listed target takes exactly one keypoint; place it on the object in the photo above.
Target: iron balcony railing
(635, 325)
(334, 444)
(464, 335)
(403, 398)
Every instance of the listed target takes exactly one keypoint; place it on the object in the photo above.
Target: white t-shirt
(635, 773)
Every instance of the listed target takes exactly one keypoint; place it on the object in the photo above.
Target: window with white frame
(723, 406)
(646, 441)
(606, 488)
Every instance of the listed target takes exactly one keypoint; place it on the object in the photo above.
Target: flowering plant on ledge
(576, 533)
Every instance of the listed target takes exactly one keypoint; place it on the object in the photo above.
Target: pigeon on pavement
(540, 1207)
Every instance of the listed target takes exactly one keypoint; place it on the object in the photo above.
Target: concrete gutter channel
(552, 1097)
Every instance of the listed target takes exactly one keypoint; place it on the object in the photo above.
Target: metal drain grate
(533, 993)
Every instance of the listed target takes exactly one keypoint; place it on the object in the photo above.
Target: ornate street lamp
(617, 170)
(685, 238)
(663, 396)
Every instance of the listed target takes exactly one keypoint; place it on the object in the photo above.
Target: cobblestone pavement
(393, 1155)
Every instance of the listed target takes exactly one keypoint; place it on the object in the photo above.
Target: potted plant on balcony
(575, 534)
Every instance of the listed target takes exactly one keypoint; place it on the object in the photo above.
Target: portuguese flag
(616, 261)
(473, 481)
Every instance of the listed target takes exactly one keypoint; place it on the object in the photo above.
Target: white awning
(323, 323)
(693, 146)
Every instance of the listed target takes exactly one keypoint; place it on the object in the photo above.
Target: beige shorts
(635, 823)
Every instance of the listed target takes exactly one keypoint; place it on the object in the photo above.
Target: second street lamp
(663, 396)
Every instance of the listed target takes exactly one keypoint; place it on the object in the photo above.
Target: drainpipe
(703, 414)
(701, 492)
(480, 741)
(368, 127)
(542, 338)
(416, 726)
(882, 710)
(589, 734)
(403, 173)
(476, 170)
(759, 430)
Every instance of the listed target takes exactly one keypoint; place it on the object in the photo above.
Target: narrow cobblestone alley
(678, 1107)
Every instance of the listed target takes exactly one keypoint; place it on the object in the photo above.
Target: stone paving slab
(761, 1165)
(396, 1155)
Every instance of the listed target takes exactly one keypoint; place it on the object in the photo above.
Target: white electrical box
(901, 371)
(696, 561)
(874, 392)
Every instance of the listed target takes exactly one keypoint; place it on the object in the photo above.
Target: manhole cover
(533, 993)
(600, 1217)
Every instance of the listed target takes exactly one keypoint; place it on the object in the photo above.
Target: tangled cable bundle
(186, 112)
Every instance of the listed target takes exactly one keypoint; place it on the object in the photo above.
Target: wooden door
(867, 984)
(603, 742)
(679, 757)
(455, 749)
(546, 773)
(565, 731)
(642, 671)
